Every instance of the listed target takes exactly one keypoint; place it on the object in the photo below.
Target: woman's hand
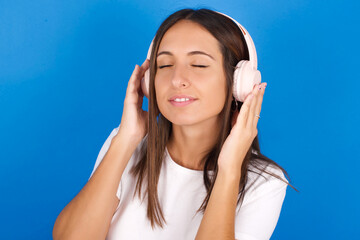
(134, 120)
(243, 132)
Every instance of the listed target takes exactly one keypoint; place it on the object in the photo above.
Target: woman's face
(190, 65)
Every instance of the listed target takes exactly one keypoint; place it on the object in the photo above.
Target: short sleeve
(260, 211)
(105, 147)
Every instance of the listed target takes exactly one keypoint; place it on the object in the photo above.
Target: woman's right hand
(134, 120)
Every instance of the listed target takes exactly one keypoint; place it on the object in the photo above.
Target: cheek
(160, 83)
(158, 87)
(216, 90)
(215, 84)
(216, 98)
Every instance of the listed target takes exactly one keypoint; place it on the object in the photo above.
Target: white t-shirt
(181, 192)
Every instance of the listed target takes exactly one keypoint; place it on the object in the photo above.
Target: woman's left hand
(243, 132)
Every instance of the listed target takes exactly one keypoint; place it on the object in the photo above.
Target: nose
(180, 77)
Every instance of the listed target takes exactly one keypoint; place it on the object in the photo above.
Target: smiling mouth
(181, 102)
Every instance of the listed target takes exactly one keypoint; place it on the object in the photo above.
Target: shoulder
(265, 171)
(269, 181)
(104, 148)
(259, 212)
(106, 145)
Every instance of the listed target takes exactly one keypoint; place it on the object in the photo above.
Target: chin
(181, 119)
(183, 123)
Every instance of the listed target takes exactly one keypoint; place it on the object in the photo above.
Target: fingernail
(263, 85)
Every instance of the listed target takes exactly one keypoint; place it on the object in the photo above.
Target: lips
(181, 96)
(182, 103)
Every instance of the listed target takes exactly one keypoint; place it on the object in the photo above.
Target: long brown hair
(234, 49)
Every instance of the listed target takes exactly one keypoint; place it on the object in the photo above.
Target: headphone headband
(249, 42)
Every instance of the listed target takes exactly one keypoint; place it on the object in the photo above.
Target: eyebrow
(189, 54)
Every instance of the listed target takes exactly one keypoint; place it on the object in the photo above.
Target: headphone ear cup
(145, 83)
(245, 78)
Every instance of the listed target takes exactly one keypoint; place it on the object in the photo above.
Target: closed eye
(164, 66)
(200, 66)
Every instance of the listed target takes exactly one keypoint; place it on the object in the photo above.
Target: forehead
(186, 35)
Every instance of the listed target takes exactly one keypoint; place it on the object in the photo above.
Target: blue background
(64, 68)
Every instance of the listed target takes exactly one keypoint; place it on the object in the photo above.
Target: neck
(189, 144)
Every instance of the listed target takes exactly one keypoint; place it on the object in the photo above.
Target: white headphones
(246, 74)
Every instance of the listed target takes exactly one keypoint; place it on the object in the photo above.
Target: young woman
(191, 168)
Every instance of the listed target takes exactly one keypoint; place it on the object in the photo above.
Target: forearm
(89, 214)
(219, 217)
